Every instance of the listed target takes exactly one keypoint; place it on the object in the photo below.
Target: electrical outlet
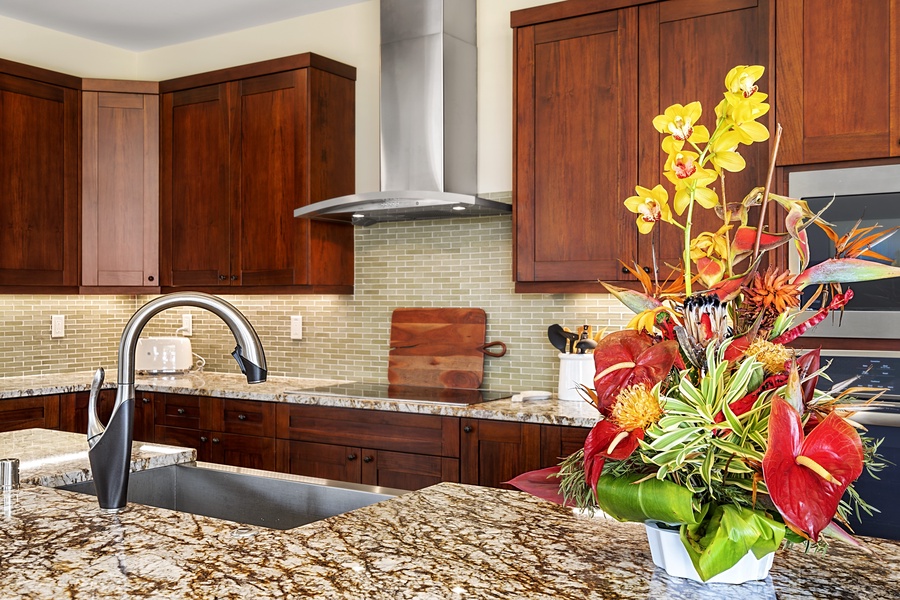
(296, 327)
(58, 326)
(187, 325)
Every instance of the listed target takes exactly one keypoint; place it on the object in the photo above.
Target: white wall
(349, 34)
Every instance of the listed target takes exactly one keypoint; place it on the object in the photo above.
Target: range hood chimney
(428, 120)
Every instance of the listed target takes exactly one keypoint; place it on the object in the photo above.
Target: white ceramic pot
(670, 555)
(575, 369)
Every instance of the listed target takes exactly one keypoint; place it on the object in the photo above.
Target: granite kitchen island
(446, 541)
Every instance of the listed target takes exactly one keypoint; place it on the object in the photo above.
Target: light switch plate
(296, 327)
(58, 326)
(187, 325)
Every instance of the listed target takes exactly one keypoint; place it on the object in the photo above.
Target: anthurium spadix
(806, 477)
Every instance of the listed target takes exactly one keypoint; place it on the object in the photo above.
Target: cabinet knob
(234, 277)
(145, 400)
(222, 277)
(204, 439)
(647, 270)
(625, 270)
(367, 459)
(467, 429)
(351, 456)
(215, 440)
(150, 278)
(180, 411)
(242, 417)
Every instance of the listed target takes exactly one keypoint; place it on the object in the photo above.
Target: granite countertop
(298, 391)
(448, 541)
(57, 458)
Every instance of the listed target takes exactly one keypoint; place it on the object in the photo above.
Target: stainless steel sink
(246, 496)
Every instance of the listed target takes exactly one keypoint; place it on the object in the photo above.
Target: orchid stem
(765, 198)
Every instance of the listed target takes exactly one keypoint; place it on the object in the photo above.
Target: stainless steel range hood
(428, 120)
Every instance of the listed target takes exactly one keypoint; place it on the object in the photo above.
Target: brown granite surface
(445, 542)
(298, 390)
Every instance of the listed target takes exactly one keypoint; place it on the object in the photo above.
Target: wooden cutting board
(437, 347)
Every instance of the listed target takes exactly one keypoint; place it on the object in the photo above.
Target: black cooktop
(407, 393)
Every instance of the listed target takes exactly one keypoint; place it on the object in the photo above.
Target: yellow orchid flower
(680, 122)
(710, 245)
(744, 116)
(722, 153)
(690, 179)
(651, 206)
(742, 79)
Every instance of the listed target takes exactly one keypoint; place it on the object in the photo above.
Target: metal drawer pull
(215, 440)
(242, 417)
(351, 457)
(203, 438)
(367, 459)
(180, 411)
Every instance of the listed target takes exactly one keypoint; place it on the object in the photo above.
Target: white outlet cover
(58, 326)
(296, 327)
(187, 325)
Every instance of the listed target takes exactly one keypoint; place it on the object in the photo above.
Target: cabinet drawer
(244, 417)
(378, 430)
(27, 413)
(176, 410)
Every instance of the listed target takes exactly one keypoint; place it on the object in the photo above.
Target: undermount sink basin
(247, 496)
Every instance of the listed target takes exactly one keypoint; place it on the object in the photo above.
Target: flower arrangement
(707, 419)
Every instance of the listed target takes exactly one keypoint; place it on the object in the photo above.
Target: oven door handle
(878, 418)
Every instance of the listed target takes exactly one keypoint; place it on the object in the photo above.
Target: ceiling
(140, 25)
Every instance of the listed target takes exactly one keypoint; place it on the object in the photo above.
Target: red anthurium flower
(807, 477)
(607, 440)
(626, 358)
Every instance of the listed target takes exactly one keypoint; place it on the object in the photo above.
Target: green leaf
(675, 438)
(738, 450)
(652, 499)
(718, 542)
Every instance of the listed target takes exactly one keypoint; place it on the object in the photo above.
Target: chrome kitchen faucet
(110, 445)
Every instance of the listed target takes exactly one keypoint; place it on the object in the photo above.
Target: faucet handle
(95, 427)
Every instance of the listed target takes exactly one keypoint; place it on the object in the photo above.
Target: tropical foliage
(707, 419)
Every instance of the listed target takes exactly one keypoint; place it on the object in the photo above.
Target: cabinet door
(120, 189)
(327, 461)
(248, 451)
(406, 471)
(41, 412)
(187, 438)
(38, 183)
(197, 160)
(838, 79)
(178, 410)
(688, 47)
(73, 410)
(576, 94)
(558, 442)
(492, 452)
(143, 417)
(271, 250)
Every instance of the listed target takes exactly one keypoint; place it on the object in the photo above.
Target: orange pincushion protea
(772, 292)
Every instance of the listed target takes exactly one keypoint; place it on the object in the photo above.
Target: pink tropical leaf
(542, 483)
(845, 270)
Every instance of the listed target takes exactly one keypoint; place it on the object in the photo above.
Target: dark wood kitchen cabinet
(399, 450)
(39, 166)
(41, 412)
(838, 79)
(492, 452)
(241, 148)
(233, 432)
(120, 186)
(73, 412)
(587, 83)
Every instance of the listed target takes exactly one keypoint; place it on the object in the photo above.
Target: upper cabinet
(838, 79)
(120, 186)
(587, 84)
(241, 148)
(39, 163)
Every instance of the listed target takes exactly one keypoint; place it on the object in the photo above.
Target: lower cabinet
(40, 412)
(398, 450)
(492, 452)
(234, 432)
(73, 412)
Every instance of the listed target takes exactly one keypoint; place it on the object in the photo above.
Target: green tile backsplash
(442, 263)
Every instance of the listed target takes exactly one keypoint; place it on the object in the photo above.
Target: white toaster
(157, 355)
